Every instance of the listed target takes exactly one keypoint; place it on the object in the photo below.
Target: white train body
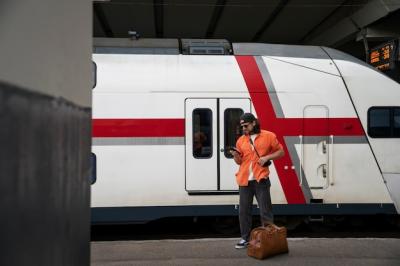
(317, 100)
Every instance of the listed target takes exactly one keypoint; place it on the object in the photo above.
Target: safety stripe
(336, 139)
(270, 87)
(138, 127)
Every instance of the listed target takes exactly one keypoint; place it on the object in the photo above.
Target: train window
(202, 133)
(94, 74)
(93, 170)
(232, 129)
(396, 122)
(379, 122)
(384, 122)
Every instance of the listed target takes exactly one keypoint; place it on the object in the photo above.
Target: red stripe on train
(316, 126)
(138, 127)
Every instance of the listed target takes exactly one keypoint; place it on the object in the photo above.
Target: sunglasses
(244, 125)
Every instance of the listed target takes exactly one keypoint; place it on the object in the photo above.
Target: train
(165, 113)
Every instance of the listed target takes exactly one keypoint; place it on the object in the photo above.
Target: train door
(211, 126)
(315, 149)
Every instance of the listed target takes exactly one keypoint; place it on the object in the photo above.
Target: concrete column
(45, 131)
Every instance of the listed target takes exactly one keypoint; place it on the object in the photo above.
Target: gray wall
(45, 131)
(46, 46)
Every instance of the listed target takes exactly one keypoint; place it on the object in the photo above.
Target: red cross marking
(289, 126)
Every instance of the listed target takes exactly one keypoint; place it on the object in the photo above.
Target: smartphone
(234, 149)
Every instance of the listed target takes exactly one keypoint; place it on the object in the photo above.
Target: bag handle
(269, 224)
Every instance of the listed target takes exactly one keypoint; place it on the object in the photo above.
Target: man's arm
(275, 155)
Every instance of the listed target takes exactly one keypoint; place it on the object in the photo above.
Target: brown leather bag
(267, 241)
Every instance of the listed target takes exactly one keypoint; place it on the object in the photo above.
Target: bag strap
(254, 147)
(268, 163)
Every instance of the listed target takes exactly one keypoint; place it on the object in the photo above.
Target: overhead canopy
(329, 22)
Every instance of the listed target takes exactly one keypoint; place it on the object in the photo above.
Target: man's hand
(236, 156)
(263, 160)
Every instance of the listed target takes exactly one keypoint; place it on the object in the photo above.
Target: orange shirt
(265, 143)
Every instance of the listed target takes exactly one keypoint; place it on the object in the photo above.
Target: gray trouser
(263, 196)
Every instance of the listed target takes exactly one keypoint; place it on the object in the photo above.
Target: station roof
(333, 23)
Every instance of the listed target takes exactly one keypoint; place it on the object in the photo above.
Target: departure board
(383, 57)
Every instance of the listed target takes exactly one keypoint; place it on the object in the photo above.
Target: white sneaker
(242, 244)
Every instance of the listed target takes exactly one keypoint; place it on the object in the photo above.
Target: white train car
(163, 120)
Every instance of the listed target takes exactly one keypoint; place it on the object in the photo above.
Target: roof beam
(99, 12)
(310, 32)
(218, 9)
(159, 17)
(344, 29)
(270, 20)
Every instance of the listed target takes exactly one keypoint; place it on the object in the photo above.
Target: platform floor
(210, 252)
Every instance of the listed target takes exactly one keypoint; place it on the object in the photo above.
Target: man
(254, 149)
(198, 143)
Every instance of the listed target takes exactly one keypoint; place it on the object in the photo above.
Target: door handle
(301, 160)
(222, 150)
(324, 147)
(331, 176)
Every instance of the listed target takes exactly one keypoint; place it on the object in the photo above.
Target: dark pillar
(44, 179)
